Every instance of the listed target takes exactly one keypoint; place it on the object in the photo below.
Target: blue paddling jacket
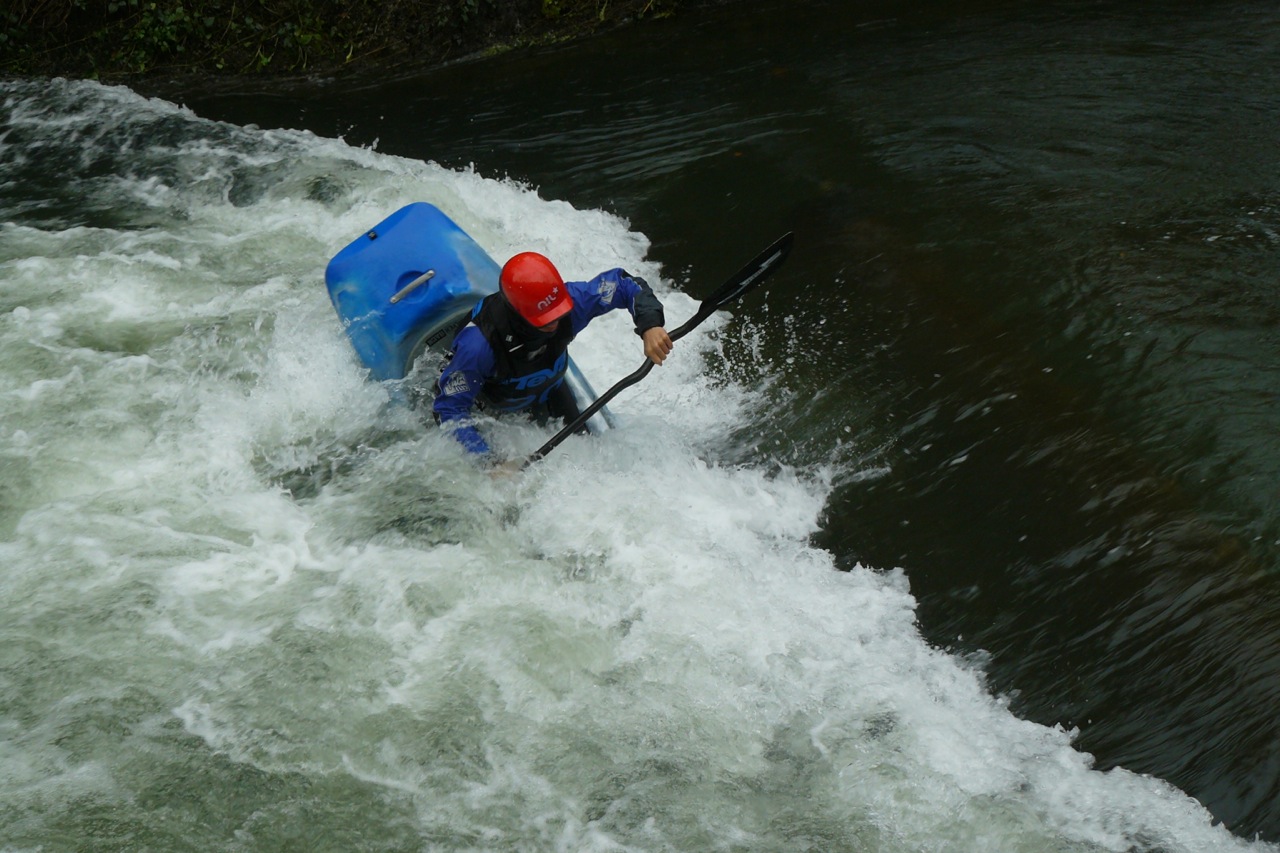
(499, 363)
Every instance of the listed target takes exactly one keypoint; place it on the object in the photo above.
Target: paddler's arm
(616, 288)
(650, 321)
(459, 384)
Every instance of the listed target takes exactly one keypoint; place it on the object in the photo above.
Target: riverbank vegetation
(124, 39)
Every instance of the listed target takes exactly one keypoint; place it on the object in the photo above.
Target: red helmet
(534, 288)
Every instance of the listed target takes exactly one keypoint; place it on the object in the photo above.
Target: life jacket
(528, 365)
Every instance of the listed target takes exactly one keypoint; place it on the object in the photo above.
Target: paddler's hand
(657, 344)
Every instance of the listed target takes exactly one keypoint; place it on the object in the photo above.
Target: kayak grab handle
(413, 285)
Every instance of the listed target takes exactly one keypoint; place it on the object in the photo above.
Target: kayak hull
(417, 240)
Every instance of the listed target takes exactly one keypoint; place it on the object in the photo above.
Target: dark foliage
(126, 38)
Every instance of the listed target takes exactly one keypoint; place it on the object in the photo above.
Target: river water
(960, 534)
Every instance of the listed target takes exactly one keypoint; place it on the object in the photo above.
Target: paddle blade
(753, 273)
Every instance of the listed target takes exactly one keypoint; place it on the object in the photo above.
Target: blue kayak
(404, 287)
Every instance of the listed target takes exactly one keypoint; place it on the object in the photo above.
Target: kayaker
(512, 355)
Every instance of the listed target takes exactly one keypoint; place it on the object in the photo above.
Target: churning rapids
(251, 604)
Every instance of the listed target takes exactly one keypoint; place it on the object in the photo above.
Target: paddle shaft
(745, 279)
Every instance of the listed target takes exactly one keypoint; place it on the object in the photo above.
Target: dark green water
(1037, 282)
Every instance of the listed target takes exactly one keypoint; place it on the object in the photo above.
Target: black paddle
(746, 278)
